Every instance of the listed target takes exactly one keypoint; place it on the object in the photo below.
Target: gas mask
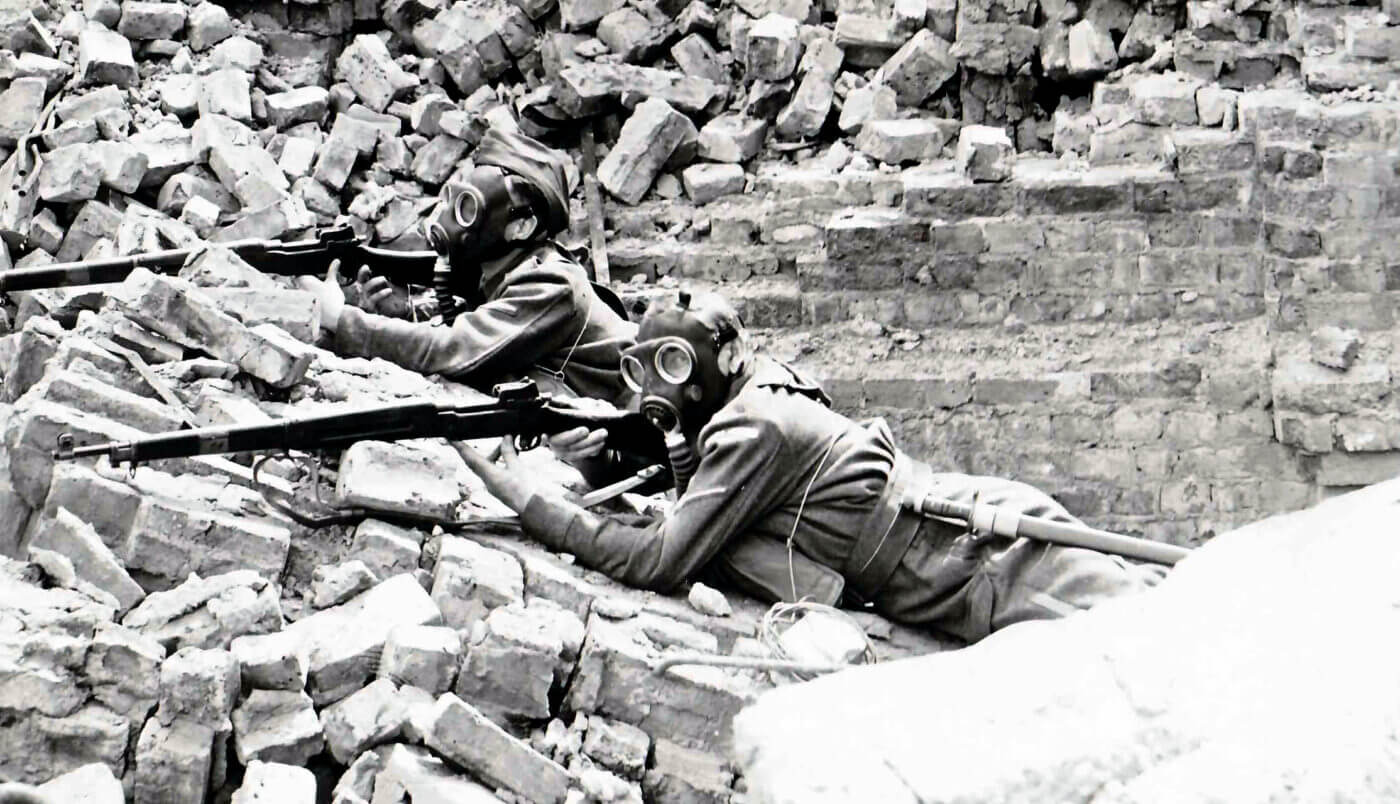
(678, 369)
(471, 230)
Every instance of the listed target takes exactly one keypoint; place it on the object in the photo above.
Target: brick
(426, 657)
(300, 105)
(104, 57)
(903, 141)
(706, 182)
(169, 149)
(93, 784)
(176, 310)
(269, 781)
(1334, 347)
(995, 48)
(809, 108)
(20, 106)
(772, 48)
(277, 726)
(1357, 469)
(334, 163)
(1165, 100)
(694, 55)
(237, 53)
(620, 747)
(1190, 194)
(179, 95)
(646, 142)
(470, 580)
(584, 88)
(466, 737)
(1299, 384)
(372, 73)
(173, 761)
(1176, 378)
(170, 540)
(1367, 434)
(953, 197)
(274, 661)
(867, 103)
(1216, 106)
(385, 548)
(434, 162)
(198, 685)
(681, 774)
(867, 39)
(424, 481)
(731, 138)
(1137, 425)
(366, 718)
(71, 173)
(1130, 142)
(207, 25)
(919, 68)
(513, 663)
(143, 20)
(340, 642)
(985, 154)
(92, 560)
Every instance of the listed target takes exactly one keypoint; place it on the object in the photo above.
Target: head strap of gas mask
(471, 229)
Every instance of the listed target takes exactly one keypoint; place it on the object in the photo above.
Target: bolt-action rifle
(297, 258)
(520, 410)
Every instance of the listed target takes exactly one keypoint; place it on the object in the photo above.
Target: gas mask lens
(674, 363)
(633, 374)
(468, 208)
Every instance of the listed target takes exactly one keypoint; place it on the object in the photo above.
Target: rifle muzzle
(116, 451)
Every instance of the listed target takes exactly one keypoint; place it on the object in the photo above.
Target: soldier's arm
(731, 489)
(536, 313)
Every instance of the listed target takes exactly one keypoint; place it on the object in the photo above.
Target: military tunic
(540, 318)
(792, 499)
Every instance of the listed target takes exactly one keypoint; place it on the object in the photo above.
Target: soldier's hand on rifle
(508, 481)
(378, 295)
(578, 444)
(329, 293)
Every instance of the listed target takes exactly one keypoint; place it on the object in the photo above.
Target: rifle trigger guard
(525, 443)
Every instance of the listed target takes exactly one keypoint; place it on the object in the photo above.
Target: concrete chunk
(145, 20)
(123, 165)
(646, 142)
(199, 685)
(344, 643)
(707, 182)
(277, 726)
(919, 68)
(70, 173)
(104, 57)
(470, 580)
(465, 736)
(694, 55)
(731, 138)
(94, 563)
(620, 747)
(179, 311)
(265, 782)
(773, 48)
(300, 105)
(173, 761)
(207, 25)
(898, 142)
(369, 70)
(585, 87)
(333, 585)
(806, 113)
(985, 153)
(434, 162)
(510, 667)
(366, 718)
(226, 92)
(422, 656)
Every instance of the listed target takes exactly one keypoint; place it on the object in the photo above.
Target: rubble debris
(1335, 347)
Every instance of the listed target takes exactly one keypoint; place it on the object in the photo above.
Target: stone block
(919, 68)
(870, 102)
(426, 657)
(92, 560)
(344, 643)
(995, 48)
(620, 747)
(70, 133)
(902, 141)
(1091, 52)
(179, 311)
(772, 49)
(39, 747)
(198, 685)
(334, 163)
(1335, 347)
(297, 160)
(107, 505)
(123, 165)
(731, 138)
(434, 162)
(169, 540)
(179, 95)
(20, 106)
(1165, 100)
(169, 149)
(413, 772)
(54, 72)
(236, 53)
(586, 87)
(293, 311)
(385, 548)
(277, 726)
(511, 664)
(300, 105)
(71, 173)
(470, 580)
(366, 718)
(235, 163)
(222, 268)
(426, 113)
(468, 738)
(646, 142)
(868, 39)
(809, 108)
(580, 15)
(694, 55)
(1216, 106)
(628, 33)
(985, 154)
(208, 24)
(123, 669)
(706, 182)
(104, 57)
(273, 781)
(1131, 142)
(1302, 385)
(88, 784)
(209, 612)
(692, 705)
(333, 585)
(143, 20)
(424, 481)
(273, 661)
(372, 73)
(30, 436)
(173, 761)
(681, 774)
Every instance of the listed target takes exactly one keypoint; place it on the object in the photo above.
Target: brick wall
(1185, 292)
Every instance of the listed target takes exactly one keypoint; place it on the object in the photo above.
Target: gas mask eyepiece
(673, 363)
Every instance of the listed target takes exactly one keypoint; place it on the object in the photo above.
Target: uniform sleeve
(731, 489)
(533, 315)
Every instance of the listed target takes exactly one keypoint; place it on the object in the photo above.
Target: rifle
(297, 258)
(520, 410)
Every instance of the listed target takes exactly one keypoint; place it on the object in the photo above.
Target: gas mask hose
(683, 460)
(442, 290)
